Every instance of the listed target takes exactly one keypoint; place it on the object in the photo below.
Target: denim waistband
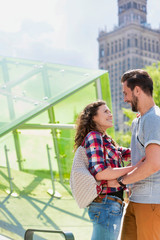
(102, 199)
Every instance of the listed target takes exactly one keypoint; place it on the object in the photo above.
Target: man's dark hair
(138, 77)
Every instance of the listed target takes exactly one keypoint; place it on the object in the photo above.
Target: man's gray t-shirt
(145, 130)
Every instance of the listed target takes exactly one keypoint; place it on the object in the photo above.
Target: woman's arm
(125, 153)
(114, 183)
(94, 150)
(113, 173)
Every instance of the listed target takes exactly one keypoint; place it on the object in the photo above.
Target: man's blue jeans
(106, 217)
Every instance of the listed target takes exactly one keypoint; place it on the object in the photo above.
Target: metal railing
(32, 234)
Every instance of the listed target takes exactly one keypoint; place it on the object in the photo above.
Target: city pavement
(31, 206)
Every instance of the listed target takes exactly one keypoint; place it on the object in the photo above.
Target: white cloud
(63, 31)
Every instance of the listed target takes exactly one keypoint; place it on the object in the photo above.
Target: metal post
(47, 92)
(56, 148)
(51, 191)
(8, 169)
(98, 88)
(18, 149)
(14, 194)
(50, 167)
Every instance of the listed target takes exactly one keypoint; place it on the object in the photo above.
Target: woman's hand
(112, 183)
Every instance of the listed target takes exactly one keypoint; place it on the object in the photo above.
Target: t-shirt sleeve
(152, 130)
(95, 152)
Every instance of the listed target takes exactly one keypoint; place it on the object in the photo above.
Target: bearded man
(142, 218)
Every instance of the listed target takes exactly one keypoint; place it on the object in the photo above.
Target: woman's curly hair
(85, 122)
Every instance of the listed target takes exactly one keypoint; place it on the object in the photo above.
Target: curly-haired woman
(106, 210)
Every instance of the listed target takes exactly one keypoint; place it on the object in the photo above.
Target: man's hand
(113, 183)
(145, 169)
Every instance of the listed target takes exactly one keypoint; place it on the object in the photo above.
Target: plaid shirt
(94, 144)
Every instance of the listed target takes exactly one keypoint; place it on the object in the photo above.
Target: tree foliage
(123, 139)
(130, 115)
(154, 72)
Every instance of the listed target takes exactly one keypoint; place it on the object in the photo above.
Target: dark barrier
(36, 234)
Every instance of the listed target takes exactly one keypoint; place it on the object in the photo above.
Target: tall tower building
(132, 44)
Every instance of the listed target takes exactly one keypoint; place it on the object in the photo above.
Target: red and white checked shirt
(95, 151)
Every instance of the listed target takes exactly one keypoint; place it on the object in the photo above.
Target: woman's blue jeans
(106, 217)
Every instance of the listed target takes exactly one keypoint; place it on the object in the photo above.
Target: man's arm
(147, 168)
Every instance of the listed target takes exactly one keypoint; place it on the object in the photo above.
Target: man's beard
(134, 103)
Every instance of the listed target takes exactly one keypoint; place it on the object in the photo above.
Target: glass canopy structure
(39, 104)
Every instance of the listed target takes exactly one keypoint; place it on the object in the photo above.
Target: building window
(128, 5)
(135, 5)
(145, 44)
(108, 50)
(123, 44)
(141, 44)
(157, 47)
(120, 46)
(142, 19)
(136, 42)
(149, 46)
(129, 65)
(123, 66)
(144, 8)
(153, 46)
(120, 9)
(116, 49)
(128, 43)
(137, 63)
(112, 51)
(101, 53)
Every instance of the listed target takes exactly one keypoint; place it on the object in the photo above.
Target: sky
(60, 31)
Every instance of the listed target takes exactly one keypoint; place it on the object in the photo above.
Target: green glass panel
(106, 95)
(33, 147)
(67, 110)
(41, 118)
(29, 88)
(65, 139)
(27, 91)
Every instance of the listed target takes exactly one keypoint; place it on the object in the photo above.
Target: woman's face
(104, 118)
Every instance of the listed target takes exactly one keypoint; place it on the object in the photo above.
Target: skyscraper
(132, 44)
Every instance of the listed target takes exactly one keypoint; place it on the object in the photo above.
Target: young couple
(142, 216)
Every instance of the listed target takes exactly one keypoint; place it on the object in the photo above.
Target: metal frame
(18, 149)
(46, 126)
(43, 71)
(30, 232)
(98, 88)
(39, 68)
(55, 143)
(10, 190)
